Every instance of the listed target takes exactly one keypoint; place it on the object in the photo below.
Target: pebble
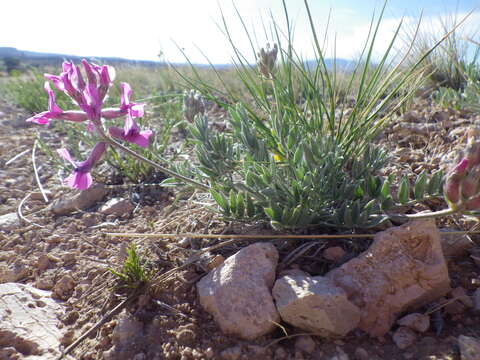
(361, 354)
(334, 253)
(305, 344)
(404, 337)
(469, 347)
(232, 353)
(415, 321)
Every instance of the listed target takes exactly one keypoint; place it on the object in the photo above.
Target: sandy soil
(48, 248)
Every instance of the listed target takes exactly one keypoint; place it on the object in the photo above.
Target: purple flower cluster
(89, 92)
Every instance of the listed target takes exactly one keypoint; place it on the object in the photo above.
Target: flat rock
(469, 347)
(81, 201)
(403, 269)
(28, 325)
(315, 304)
(9, 221)
(237, 293)
(116, 206)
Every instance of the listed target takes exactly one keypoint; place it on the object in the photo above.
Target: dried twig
(16, 157)
(20, 213)
(35, 170)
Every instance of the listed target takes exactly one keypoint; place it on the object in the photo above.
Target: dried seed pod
(193, 104)
(470, 183)
(452, 184)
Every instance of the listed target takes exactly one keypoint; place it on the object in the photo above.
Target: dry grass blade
(20, 212)
(37, 177)
(16, 157)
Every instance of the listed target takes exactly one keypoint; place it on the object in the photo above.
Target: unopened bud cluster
(266, 60)
(462, 184)
(193, 104)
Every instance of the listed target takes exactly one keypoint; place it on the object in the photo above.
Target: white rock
(80, 201)
(469, 347)
(9, 221)
(29, 322)
(415, 321)
(237, 293)
(403, 269)
(116, 206)
(13, 272)
(315, 304)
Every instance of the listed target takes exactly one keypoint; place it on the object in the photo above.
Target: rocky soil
(55, 256)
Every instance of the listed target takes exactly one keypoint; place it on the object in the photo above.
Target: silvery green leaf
(403, 191)
(419, 187)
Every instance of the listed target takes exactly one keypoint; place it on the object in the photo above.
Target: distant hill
(39, 58)
(33, 58)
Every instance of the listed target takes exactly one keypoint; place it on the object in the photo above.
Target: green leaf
(374, 186)
(170, 182)
(403, 191)
(435, 183)
(419, 187)
(240, 205)
(221, 201)
(269, 211)
(385, 191)
(232, 201)
(359, 192)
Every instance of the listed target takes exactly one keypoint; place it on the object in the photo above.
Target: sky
(142, 29)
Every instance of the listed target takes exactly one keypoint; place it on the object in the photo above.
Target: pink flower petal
(65, 154)
(41, 119)
(57, 81)
(141, 138)
(52, 105)
(79, 180)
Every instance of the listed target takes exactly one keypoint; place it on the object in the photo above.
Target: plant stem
(136, 155)
(426, 215)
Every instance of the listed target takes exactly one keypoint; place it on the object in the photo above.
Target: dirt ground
(49, 247)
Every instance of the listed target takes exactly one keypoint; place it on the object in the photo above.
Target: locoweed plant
(300, 153)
